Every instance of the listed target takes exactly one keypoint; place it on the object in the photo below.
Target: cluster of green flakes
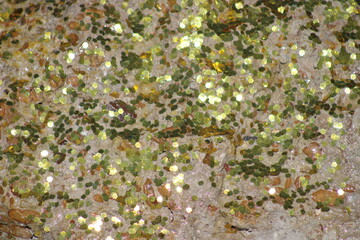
(111, 91)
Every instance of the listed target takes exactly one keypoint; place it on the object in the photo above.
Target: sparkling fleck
(272, 191)
(49, 179)
(294, 71)
(340, 192)
(44, 153)
(301, 52)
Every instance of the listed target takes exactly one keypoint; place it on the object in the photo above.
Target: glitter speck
(272, 191)
(340, 192)
(44, 153)
(49, 179)
(301, 52)
(294, 71)
(179, 189)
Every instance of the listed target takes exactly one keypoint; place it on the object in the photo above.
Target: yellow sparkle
(179, 179)
(271, 118)
(220, 91)
(183, 23)
(114, 195)
(102, 135)
(47, 35)
(209, 85)
(239, 5)
(250, 79)
(335, 137)
(299, 117)
(179, 189)
(247, 61)
(274, 28)
(338, 125)
(329, 120)
(281, 9)
(323, 85)
(106, 90)
(81, 220)
(173, 168)
(350, 10)
(116, 220)
(196, 22)
(328, 64)
(112, 171)
(294, 71)
(117, 27)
